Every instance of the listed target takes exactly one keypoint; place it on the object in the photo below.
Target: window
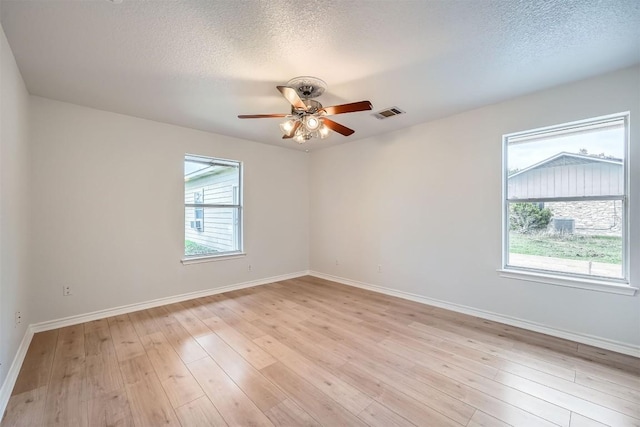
(212, 207)
(565, 200)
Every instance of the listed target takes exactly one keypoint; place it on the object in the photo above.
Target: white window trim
(601, 284)
(568, 281)
(212, 258)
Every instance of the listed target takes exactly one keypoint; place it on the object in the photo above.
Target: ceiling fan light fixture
(300, 138)
(312, 123)
(323, 132)
(287, 126)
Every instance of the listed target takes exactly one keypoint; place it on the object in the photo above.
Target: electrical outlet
(18, 317)
(379, 268)
(249, 268)
(337, 263)
(66, 290)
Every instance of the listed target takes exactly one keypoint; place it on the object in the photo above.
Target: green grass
(607, 249)
(194, 249)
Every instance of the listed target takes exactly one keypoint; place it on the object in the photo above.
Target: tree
(528, 217)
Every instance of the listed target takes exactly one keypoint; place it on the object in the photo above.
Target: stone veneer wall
(601, 217)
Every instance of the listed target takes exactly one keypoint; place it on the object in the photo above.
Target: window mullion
(205, 205)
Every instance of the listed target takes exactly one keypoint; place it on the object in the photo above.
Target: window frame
(576, 280)
(237, 206)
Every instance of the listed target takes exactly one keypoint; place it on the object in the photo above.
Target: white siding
(578, 180)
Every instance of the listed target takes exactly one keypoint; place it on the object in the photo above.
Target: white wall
(14, 202)
(425, 204)
(108, 216)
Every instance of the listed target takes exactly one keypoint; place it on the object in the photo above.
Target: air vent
(389, 112)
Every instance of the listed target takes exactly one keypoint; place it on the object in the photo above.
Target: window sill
(571, 282)
(212, 258)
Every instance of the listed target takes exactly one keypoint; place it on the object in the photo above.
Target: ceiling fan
(308, 118)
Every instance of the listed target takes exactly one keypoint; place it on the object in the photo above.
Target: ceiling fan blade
(348, 108)
(293, 130)
(261, 116)
(337, 127)
(292, 96)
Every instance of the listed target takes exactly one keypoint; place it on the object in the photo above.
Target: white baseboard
(14, 370)
(130, 308)
(604, 343)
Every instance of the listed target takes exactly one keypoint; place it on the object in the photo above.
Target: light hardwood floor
(311, 352)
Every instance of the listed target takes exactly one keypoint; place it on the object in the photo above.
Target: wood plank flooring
(309, 352)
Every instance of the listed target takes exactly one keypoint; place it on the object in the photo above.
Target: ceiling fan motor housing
(313, 107)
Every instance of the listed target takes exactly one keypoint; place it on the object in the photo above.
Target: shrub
(528, 217)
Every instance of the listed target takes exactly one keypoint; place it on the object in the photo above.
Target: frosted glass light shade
(287, 126)
(312, 123)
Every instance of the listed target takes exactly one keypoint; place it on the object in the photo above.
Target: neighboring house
(575, 175)
(212, 227)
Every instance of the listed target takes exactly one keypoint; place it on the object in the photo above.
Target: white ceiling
(200, 63)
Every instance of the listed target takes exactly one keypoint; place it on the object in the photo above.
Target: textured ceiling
(200, 63)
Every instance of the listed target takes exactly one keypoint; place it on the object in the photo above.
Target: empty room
(320, 213)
